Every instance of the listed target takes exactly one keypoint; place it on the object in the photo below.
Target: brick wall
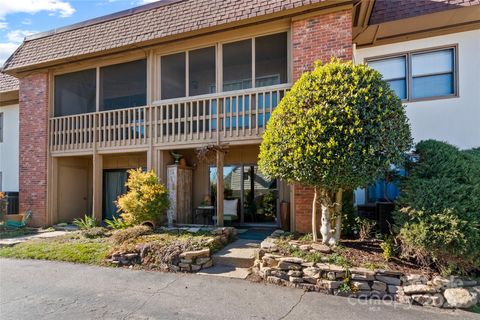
(317, 38)
(33, 99)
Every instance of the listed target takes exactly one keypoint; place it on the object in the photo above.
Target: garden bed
(139, 247)
(356, 269)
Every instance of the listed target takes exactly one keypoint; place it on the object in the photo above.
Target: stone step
(240, 254)
(227, 271)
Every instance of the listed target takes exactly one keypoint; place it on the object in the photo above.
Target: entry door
(113, 187)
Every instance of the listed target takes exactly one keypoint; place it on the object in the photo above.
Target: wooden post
(161, 159)
(97, 186)
(220, 188)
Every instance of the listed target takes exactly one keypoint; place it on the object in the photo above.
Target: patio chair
(17, 225)
(230, 211)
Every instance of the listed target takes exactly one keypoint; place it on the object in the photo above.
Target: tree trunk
(325, 228)
(338, 219)
(314, 216)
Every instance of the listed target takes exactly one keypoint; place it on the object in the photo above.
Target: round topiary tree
(339, 128)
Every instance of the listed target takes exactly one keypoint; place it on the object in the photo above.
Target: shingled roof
(390, 10)
(8, 83)
(139, 26)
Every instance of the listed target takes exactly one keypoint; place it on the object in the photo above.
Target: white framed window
(422, 74)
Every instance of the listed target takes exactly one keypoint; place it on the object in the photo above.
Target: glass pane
(432, 62)
(123, 85)
(173, 76)
(399, 86)
(432, 86)
(271, 60)
(390, 68)
(201, 64)
(75, 93)
(260, 196)
(237, 65)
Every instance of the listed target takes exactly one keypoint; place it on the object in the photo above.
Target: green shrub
(388, 248)
(117, 223)
(96, 232)
(146, 199)
(86, 223)
(438, 216)
(123, 235)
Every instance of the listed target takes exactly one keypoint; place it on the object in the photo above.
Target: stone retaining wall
(188, 261)
(364, 283)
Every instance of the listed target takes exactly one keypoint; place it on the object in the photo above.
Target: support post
(220, 188)
(97, 186)
(161, 159)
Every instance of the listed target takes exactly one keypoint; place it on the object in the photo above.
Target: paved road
(52, 290)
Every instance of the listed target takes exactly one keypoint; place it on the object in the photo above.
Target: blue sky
(19, 18)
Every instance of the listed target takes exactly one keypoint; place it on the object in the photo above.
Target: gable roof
(390, 10)
(8, 83)
(140, 26)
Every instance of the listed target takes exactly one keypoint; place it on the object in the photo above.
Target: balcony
(234, 117)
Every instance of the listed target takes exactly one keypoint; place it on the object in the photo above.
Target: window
(270, 59)
(237, 65)
(1, 126)
(394, 71)
(173, 76)
(201, 71)
(75, 93)
(432, 73)
(123, 85)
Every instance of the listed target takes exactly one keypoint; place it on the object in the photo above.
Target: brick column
(317, 38)
(33, 100)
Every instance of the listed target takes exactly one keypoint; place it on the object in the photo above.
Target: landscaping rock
(322, 248)
(269, 244)
(292, 260)
(189, 261)
(389, 280)
(202, 260)
(285, 265)
(328, 284)
(459, 298)
(362, 274)
(379, 286)
(414, 279)
(312, 272)
(279, 274)
(305, 247)
(275, 280)
(434, 300)
(295, 279)
(310, 279)
(196, 267)
(395, 289)
(361, 285)
(418, 288)
(207, 264)
(195, 254)
(295, 273)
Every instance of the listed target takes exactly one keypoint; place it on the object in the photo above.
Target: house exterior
(8, 133)
(137, 88)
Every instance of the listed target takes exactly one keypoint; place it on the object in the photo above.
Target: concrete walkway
(52, 290)
(42, 235)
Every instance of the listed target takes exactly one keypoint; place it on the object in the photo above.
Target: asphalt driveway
(53, 290)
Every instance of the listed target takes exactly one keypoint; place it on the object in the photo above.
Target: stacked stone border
(417, 289)
(188, 261)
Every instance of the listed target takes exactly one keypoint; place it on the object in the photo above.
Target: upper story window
(267, 63)
(75, 93)
(421, 74)
(123, 85)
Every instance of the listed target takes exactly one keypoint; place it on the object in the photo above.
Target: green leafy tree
(146, 198)
(339, 128)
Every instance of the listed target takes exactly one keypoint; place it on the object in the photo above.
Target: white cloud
(60, 7)
(27, 21)
(6, 49)
(146, 1)
(16, 36)
(3, 25)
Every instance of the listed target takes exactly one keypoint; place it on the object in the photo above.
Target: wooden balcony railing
(231, 117)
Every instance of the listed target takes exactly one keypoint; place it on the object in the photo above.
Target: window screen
(173, 76)
(432, 74)
(237, 65)
(201, 71)
(75, 93)
(123, 85)
(394, 72)
(271, 60)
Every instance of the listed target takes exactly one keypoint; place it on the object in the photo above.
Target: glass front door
(113, 187)
(257, 195)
